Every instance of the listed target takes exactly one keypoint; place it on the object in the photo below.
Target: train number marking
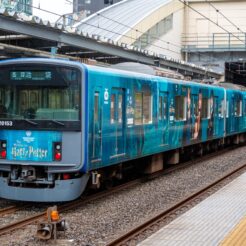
(6, 123)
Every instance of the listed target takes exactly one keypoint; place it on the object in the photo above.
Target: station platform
(218, 220)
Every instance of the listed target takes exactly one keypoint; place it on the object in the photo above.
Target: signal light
(54, 215)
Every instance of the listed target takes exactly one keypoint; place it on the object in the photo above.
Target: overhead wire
(218, 11)
(167, 42)
(204, 16)
(105, 29)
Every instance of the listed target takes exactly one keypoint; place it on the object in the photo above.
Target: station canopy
(117, 20)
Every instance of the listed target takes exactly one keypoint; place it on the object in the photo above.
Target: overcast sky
(57, 6)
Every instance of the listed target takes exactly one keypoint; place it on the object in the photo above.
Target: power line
(71, 18)
(204, 16)
(167, 42)
(99, 14)
(218, 11)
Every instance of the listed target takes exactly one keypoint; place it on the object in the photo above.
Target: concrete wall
(173, 36)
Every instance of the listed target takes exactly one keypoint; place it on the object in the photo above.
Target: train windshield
(40, 96)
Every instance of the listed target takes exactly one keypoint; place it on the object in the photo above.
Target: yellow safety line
(237, 237)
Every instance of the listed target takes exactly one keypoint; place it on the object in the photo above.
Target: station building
(202, 32)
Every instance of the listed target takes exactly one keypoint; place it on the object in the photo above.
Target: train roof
(147, 76)
(111, 71)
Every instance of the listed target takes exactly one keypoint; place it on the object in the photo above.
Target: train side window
(238, 108)
(180, 108)
(244, 107)
(138, 114)
(206, 105)
(112, 109)
(147, 108)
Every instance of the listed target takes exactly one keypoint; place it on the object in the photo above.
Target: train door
(194, 116)
(216, 116)
(117, 122)
(163, 117)
(232, 116)
(97, 127)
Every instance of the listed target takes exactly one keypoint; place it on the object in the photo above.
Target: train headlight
(3, 151)
(57, 151)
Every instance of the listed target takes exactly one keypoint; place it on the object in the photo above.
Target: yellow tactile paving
(237, 237)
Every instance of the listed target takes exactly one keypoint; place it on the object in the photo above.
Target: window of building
(87, 1)
(180, 108)
(155, 32)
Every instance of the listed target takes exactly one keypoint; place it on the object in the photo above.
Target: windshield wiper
(58, 122)
(30, 122)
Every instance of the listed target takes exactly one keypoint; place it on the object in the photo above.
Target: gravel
(101, 221)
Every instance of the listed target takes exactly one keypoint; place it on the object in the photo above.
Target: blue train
(65, 125)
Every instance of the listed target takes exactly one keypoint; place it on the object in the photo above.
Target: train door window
(120, 103)
(147, 108)
(227, 109)
(161, 110)
(163, 106)
(138, 108)
(96, 106)
(112, 109)
(180, 108)
(205, 114)
(238, 108)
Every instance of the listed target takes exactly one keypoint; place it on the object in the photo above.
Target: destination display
(30, 75)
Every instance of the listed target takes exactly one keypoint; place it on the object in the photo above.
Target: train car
(64, 125)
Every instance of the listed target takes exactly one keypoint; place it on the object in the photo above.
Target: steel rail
(124, 239)
(13, 208)
(74, 204)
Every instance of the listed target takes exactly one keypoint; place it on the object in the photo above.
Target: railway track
(80, 202)
(14, 208)
(144, 230)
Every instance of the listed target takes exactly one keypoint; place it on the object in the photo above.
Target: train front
(41, 137)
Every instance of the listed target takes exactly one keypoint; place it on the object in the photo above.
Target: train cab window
(206, 104)
(180, 108)
(238, 108)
